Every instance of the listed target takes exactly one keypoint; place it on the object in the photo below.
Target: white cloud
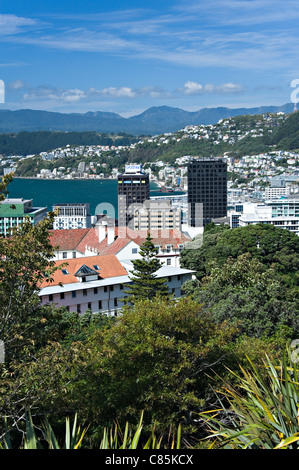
(123, 92)
(194, 88)
(17, 85)
(72, 95)
(12, 24)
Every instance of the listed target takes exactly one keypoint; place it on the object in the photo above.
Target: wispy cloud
(12, 24)
(194, 88)
(242, 12)
(69, 96)
(184, 39)
(51, 93)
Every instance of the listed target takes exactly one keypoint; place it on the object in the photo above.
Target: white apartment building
(157, 215)
(274, 193)
(72, 216)
(98, 284)
(283, 213)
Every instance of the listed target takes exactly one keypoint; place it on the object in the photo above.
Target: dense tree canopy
(155, 359)
(247, 292)
(272, 246)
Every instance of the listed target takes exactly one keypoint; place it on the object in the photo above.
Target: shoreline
(158, 184)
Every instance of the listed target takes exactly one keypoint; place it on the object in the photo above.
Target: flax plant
(263, 413)
(112, 438)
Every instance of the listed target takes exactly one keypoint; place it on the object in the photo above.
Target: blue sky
(124, 57)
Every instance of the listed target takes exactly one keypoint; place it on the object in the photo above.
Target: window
(50, 297)
(111, 288)
(95, 290)
(62, 295)
(78, 308)
(84, 292)
(168, 261)
(96, 267)
(64, 271)
(89, 306)
(64, 254)
(134, 251)
(74, 254)
(100, 305)
(115, 303)
(74, 293)
(105, 288)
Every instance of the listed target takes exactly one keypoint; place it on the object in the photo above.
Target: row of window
(84, 291)
(106, 288)
(100, 305)
(89, 306)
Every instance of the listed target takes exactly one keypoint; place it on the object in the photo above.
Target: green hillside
(286, 137)
(30, 143)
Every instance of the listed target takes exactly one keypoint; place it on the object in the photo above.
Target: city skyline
(127, 57)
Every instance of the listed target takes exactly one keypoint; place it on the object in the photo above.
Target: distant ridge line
(153, 121)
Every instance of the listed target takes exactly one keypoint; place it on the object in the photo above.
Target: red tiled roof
(67, 239)
(80, 239)
(164, 237)
(109, 266)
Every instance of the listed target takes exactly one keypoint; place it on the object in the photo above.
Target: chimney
(111, 235)
(102, 232)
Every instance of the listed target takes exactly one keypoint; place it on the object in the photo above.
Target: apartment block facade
(13, 212)
(72, 216)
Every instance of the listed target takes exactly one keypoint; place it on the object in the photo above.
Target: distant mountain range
(153, 121)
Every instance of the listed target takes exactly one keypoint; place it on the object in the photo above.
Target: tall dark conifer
(145, 283)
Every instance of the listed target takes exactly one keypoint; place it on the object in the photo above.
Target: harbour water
(46, 193)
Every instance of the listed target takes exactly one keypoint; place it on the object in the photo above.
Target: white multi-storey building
(283, 213)
(98, 284)
(157, 215)
(72, 216)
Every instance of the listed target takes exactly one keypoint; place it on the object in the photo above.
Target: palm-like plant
(112, 438)
(73, 437)
(263, 413)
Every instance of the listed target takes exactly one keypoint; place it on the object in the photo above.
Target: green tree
(154, 359)
(272, 246)
(24, 265)
(145, 283)
(245, 291)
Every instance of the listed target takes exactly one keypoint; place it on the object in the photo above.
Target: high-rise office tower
(133, 190)
(207, 190)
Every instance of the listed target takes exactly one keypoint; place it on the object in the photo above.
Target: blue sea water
(46, 193)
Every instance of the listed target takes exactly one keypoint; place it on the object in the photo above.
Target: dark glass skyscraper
(133, 190)
(207, 190)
